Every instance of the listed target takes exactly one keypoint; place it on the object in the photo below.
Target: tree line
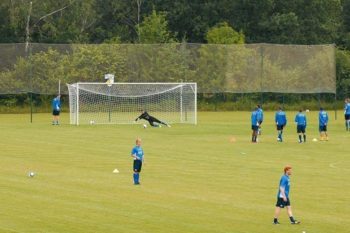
(98, 21)
(197, 21)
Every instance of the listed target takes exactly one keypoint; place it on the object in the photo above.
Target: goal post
(122, 103)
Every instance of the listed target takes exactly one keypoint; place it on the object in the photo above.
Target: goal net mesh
(122, 103)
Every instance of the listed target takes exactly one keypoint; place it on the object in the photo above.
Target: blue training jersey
(138, 151)
(280, 118)
(285, 184)
(254, 117)
(260, 115)
(300, 119)
(322, 118)
(56, 104)
(347, 109)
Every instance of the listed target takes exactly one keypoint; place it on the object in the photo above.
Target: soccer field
(207, 178)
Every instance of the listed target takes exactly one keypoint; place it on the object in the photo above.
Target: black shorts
(280, 127)
(281, 203)
(56, 112)
(323, 128)
(137, 165)
(255, 127)
(347, 116)
(301, 128)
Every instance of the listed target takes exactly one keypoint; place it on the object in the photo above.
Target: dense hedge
(206, 102)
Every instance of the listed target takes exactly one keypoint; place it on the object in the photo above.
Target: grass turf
(204, 178)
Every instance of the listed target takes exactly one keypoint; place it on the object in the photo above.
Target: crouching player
(151, 120)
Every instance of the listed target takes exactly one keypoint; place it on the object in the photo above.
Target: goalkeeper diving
(151, 120)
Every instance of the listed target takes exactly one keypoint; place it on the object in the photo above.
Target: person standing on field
(260, 117)
(283, 197)
(139, 158)
(300, 120)
(281, 121)
(56, 109)
(322, 123)
(347, 114)
(255, 125)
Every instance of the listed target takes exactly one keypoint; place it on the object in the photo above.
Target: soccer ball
(31, 174)
(144, 126)
(92, 122)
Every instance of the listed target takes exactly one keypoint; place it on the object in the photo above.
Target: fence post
(335, 106)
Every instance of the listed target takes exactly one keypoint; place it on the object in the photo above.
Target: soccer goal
(122, 103)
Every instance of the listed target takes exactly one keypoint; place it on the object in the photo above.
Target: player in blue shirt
(322, 123)
(255, 125)
(56, 109)
(283, 197)
(260, 117)
(139, 158)
(300, 120)
(281, 121)
(347, 114)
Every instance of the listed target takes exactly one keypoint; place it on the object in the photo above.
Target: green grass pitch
(196, 178)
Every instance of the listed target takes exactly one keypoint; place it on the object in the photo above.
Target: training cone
(115, 171)
(232, 139)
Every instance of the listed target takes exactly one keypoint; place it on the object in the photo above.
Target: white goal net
(122, 103)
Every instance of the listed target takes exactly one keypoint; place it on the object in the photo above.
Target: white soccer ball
(307, 110)
(31, 174)
(92, 122)
(314, 140)
(144, 126)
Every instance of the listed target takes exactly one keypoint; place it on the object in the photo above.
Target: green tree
(343, 73)
(215, 61)
(117, 19)
(12, 21)
(157, 58)
(71, 24)
(192, 19)
(344, 40)
(300, 22)
(224, 34)
(282, 28)
(154, 29)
